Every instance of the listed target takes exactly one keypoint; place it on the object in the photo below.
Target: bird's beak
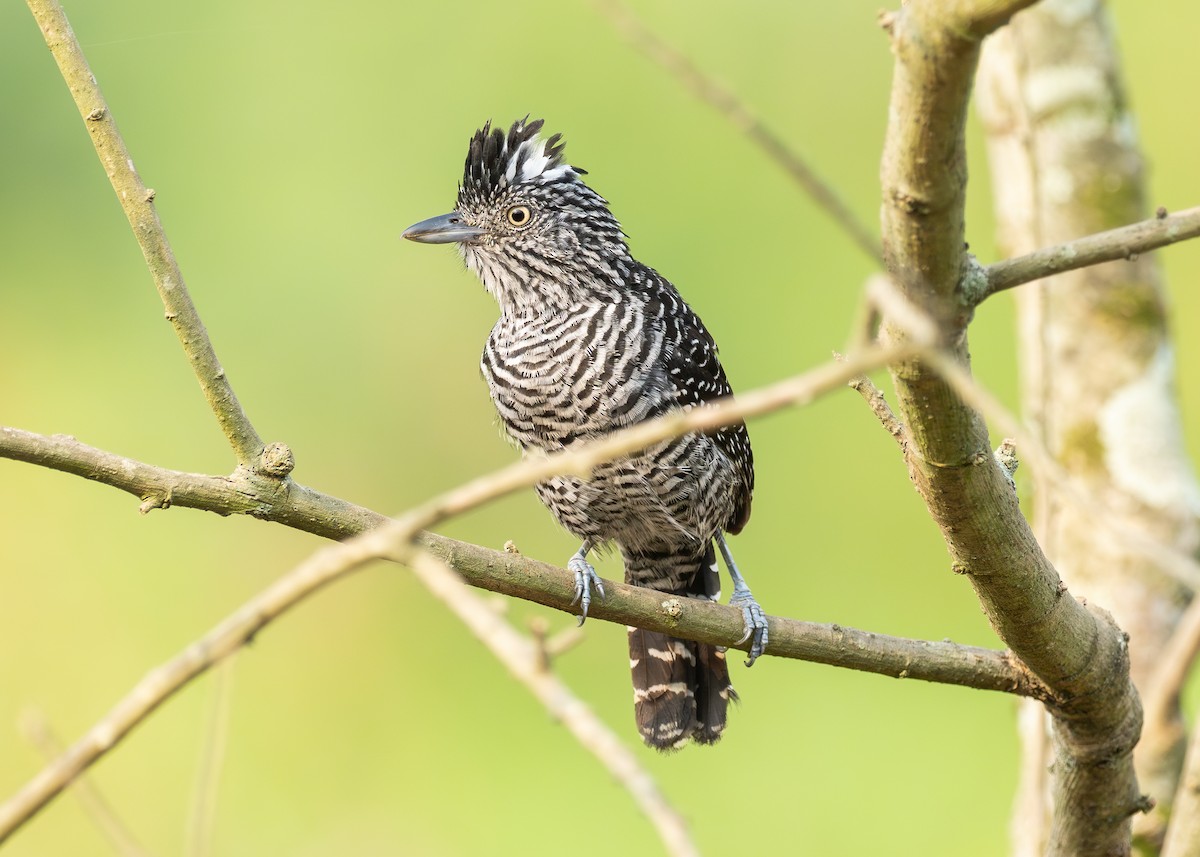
(443, 229)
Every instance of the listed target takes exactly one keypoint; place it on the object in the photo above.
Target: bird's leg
(585, 579)
(753, 615)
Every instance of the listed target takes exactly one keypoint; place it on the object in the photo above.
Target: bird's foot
(753, 616)
(755, 622)
(585, 580)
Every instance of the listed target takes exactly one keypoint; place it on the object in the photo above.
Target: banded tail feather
(681, 688)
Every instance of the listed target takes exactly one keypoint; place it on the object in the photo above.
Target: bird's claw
(585, 580)
(755, 622)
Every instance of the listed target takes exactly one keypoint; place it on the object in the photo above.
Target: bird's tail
(681, 689)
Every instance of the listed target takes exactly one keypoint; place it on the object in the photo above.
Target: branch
(1125, 242)
(1161, 693)
(137, 202)
(1076, 650)
(1183, 833)
(202, 818)
(696, 619)
(528, 663)
(39, 733)
(287, 502)
(728, 104)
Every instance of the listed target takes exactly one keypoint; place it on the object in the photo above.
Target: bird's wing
(697, 377)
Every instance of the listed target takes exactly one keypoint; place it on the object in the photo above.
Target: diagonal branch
(728, 104)
(527, 662)
(39, 732)
(137, 201)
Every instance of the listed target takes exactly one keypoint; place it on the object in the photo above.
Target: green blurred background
(290, 143)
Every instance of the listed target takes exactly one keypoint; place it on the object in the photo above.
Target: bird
(591, 341)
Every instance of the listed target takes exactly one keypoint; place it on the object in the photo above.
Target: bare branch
(690, 618)
(1183, 833)
(525, 661)
(161, 683)
(39, 733)
(1125, 242)
(728, 104)
(202, 819)
(512, 574)
(137, 201)
(1161, 693)
(1075, 649)
(879, 406)
(508, 573)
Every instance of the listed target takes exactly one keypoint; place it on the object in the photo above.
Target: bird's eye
(519, 215)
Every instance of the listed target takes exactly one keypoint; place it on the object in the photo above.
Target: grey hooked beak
(443, 229)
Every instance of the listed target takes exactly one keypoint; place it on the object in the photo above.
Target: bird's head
(526, 223)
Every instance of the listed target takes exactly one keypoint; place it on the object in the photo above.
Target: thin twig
(1183, 833)
(728, 104)
(212, 756)
(1125, 242)
(879, 406)
(525, 662)
(1181, 566)
(900, 311)
(161, 683)
(137, 201)
(39, 733)
(1160, 696)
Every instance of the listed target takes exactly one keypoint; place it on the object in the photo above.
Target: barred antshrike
(590, 341)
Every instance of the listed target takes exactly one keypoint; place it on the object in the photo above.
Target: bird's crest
(496, 160)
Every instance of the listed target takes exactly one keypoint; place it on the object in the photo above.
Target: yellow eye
(519, 215)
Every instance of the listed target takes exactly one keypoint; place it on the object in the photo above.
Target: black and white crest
(496, 161)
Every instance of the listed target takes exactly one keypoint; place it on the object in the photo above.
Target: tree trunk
(1096, 368)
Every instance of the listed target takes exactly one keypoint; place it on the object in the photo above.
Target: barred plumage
(590, 341)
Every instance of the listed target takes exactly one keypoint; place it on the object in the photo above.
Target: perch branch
(137, 201)
(691, 618)
(290, 503)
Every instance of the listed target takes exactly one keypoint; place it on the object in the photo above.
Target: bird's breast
(562, 376)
